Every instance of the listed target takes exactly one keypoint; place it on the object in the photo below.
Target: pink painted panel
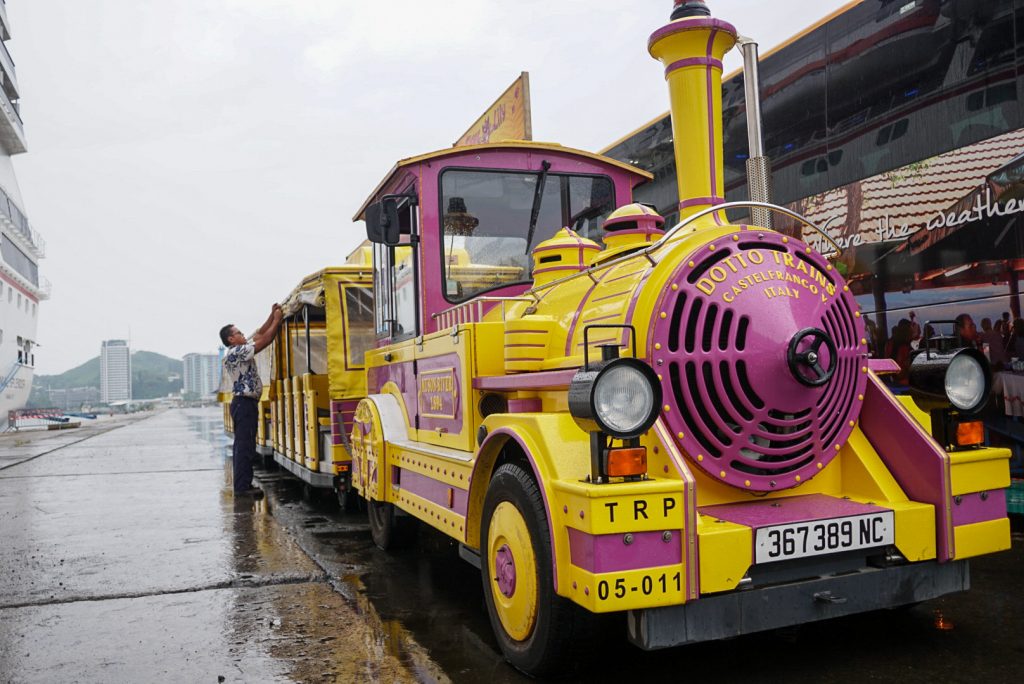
(609, 552)
(920, 466)
(974, 509)
(790, 510)
(434, 490)
(440, 403)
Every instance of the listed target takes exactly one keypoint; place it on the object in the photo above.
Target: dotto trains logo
(754, 268)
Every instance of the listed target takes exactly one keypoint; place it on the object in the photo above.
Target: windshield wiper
(538, 194)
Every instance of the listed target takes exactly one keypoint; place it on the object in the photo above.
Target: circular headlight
(965, 382)
(620, 397)
(623, 399)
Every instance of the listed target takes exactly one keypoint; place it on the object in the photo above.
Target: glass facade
(883, 85)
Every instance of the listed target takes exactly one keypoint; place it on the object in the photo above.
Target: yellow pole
(691, 49)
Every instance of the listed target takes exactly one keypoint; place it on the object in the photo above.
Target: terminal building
(898, 127)
(115, 371)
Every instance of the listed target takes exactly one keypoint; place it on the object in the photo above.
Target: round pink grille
(721, 342)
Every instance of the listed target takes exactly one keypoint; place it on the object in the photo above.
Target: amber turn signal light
(627, 462)
(970, 434)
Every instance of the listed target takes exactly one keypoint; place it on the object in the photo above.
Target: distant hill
(149, 377)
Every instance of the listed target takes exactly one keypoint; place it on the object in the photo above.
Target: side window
(359, 324)
(404, 284)
(395, 287)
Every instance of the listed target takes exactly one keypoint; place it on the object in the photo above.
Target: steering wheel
(806, 365)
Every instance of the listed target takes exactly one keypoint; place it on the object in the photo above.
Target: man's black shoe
(254, 492)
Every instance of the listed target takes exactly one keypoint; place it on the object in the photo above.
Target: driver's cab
(461, 223)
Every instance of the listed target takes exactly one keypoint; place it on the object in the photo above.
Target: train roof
(310, 289)
(487, 147)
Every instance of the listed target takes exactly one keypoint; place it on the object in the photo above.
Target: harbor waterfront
(126, 559)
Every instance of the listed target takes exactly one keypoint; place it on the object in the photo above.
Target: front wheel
(535, 627)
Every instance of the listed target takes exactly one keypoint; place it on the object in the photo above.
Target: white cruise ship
(21, 247)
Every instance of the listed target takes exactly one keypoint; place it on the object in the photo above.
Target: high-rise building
(115, 371)
(201, 373)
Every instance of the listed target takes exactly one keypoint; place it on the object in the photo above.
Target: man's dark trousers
(243, 452)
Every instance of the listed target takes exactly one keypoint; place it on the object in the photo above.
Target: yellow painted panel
(980, 538)
(298, 431)
(435, 515)
(920, 416)
(618, 508)
(979, 470)
(725, 551)
(864, 474)
(460, 395)
(615, 591)
(915, 529)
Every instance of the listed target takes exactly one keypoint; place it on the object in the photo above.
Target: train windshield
(492, 220)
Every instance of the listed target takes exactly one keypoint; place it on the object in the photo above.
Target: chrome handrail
(463, 313)
(646, 252)
(741, 205)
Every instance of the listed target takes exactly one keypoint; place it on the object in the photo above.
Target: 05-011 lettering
(663, 583)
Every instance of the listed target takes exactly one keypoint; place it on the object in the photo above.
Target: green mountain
(150, 372)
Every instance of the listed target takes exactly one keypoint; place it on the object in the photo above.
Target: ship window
(19, 260)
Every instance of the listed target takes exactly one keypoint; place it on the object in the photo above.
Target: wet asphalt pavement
(124, 557)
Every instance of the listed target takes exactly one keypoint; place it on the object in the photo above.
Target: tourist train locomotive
(680, 425)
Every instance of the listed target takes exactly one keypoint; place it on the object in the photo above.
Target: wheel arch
(504, 445)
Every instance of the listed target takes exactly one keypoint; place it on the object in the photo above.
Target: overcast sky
(190, 160)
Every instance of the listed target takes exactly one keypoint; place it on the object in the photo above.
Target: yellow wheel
(514, 572)
(534, 626)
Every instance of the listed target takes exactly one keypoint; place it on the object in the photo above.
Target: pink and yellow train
(683, 426)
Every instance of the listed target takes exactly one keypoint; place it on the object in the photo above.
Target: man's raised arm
(262, 338)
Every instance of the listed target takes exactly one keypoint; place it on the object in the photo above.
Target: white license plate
(819, 537)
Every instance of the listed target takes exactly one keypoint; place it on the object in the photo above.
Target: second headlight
(958, 379)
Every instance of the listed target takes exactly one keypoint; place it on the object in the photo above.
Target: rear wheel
(534, 625)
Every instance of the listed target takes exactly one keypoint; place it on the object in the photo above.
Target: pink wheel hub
(505, 568)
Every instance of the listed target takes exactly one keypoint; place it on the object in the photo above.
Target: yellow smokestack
(691, 47)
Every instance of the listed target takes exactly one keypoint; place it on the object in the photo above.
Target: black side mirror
(383, 225)
(374, 231)
(391, 227)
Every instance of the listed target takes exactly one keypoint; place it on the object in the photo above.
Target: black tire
(557, 621)
(389, 530)
(348, 498)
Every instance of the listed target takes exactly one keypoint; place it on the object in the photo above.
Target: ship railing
(5, 33)
(45, 288)
(7, 60)
(13, 108)
(20, 222)
(473, 310)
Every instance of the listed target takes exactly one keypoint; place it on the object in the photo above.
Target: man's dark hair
(225, 333)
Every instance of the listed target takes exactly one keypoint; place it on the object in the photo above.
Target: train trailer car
(319, 375)
(682, 426)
